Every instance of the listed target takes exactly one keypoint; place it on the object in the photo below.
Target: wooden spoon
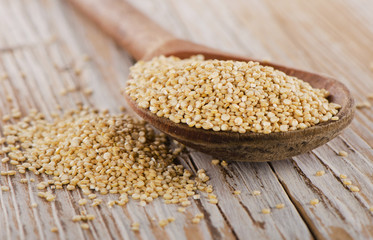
(144, 40)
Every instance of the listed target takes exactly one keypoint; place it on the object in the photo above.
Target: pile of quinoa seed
(227, 95)
(99, 153)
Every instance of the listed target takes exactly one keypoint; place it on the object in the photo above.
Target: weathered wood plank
(336, 209)
(42, 43)
(244, 211)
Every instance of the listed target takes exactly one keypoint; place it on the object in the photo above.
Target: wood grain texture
(42, 43)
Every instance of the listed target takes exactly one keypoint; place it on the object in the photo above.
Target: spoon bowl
(144, 39)
(260, 147)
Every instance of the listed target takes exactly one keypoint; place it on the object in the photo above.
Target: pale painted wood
(46, 40)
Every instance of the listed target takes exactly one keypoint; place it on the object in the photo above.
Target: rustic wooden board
(43, 43)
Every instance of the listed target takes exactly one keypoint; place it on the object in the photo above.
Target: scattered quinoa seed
(237, 192)
(12, 173)
(77, 71)
(90, 217)
(84, 226)
(34, 205)
(186, 203)
(266, 210)
(5, 160)
(196, 220)
(314, 201)
(354, 189)
(23, 180)
(76, 218)
(54, 229)
(197, 196)
(215, 161)
(9, 98)
(6, 117)
(342, 176)
(163, 222)
(92, 196)
(224, 163)
(213, 201)
(280, 205)
(88, 91)
(86, 58)
(4, 188)
(111, 204)
(41, 185)
(96, 202)
(343, 153)
(50, 197)
(135, 226)
(181, 209)
(99, 153)
(346, 182)
(82, 201)
(256, 193)
(209, 189)
(364, 104)
(320, 173)
(86, 192)
(63, 92)
(211, 196)
(41, 194)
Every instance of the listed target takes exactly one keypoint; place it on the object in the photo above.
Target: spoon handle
(130, 28)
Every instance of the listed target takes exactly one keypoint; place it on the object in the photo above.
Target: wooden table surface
(44, 46)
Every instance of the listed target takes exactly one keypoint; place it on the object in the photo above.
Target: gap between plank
(307, 221)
